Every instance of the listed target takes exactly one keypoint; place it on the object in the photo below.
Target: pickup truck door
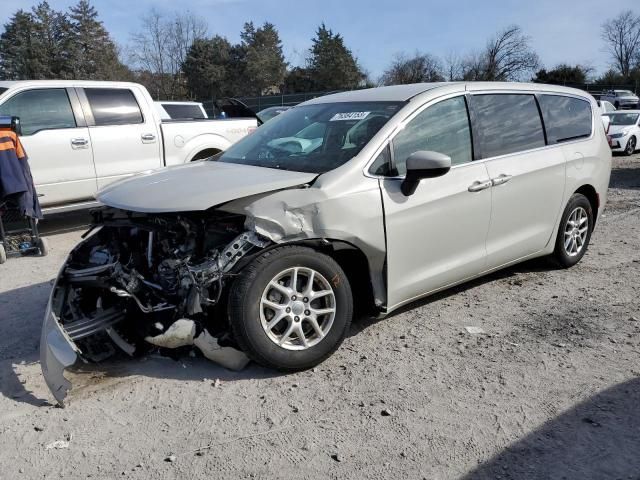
(123, 131)
(56, 140)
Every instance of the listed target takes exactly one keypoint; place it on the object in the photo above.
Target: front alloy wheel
(631, 146)
(297, 308)
(290, 308)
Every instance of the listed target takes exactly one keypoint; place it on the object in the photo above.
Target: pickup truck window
(40, 109)
(182, 112)
(113, 106)
(312, 138)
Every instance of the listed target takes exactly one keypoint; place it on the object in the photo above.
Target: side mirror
(424, 164)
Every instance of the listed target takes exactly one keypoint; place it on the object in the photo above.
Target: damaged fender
(354, 216)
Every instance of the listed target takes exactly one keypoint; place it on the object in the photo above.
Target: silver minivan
(363, 200)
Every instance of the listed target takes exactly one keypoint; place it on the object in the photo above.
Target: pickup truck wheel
(3, 254)
(574, 233)
(291, 308)
(631, 146)
(205, 154)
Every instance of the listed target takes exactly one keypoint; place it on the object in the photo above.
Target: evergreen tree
(54, 39)
(21, 56)
(206, 68)
(264, 64)
(332, 65)
(94, 55)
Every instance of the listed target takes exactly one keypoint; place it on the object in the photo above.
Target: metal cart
(18, 234)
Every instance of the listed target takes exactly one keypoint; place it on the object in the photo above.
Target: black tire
(3, 254)
(631, 146)
(561, 255)
(245, 303)
(617, 105)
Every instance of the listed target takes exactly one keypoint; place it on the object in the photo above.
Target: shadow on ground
(22, 315)
(596, 439)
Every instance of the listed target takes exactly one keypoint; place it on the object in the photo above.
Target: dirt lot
(550, 391)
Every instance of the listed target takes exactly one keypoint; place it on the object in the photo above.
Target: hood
(196, 186)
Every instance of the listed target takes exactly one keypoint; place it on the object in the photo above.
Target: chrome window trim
(440, 98)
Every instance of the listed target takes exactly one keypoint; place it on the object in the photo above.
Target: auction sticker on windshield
(349, 116)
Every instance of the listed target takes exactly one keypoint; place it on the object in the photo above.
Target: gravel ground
(550, 390)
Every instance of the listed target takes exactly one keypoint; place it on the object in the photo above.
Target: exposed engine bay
(143, 281)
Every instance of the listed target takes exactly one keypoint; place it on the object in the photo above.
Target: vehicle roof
(403, 93)
(65, 83)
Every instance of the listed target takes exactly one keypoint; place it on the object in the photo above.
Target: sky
(375, 31)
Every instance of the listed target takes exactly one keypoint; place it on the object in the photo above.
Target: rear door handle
(500, 179)
(478, 186)
(77, 143)
(148, 138)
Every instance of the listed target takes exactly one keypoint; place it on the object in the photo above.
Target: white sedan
(624, 131)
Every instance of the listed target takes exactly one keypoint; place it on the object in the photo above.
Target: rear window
(113, 106)
(176, 111)
(565, 118)
(508, 123)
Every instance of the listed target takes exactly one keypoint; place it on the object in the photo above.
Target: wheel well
(591, 194)
(209, 152)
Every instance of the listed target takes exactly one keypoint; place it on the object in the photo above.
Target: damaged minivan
(367, 199)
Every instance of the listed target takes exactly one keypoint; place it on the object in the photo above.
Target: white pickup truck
(82, 135)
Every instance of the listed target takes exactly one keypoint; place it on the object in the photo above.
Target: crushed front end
(143, 281)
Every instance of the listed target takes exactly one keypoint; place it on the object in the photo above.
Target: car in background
(267, 114)
(606, 106)
(620, 98)
(624, 131)
(81, 136)
(181, 110)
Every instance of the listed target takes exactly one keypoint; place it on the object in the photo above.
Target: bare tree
(622, 38)
(422, 67)
(453, 66)
(161, 47)
(508, 55)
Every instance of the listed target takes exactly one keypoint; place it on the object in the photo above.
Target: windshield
(623, 118)
(624, 93)
(312, 138)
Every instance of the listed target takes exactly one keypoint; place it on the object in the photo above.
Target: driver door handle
(478, 185)
(500, 179)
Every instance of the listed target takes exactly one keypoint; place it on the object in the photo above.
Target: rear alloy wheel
(631, 146)
(575, 231)
(290, 308)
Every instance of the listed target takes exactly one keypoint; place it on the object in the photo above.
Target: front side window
(312, 138)
(41, 109)
(113, 106)
(565, 118)
(507, 123)
(443, 127)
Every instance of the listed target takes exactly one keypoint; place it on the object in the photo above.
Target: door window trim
(474, 127)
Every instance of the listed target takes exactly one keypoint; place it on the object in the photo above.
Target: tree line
(176, 58)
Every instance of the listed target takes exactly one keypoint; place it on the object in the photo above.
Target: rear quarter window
(508, 123)
(565, 118)
(113, 106)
